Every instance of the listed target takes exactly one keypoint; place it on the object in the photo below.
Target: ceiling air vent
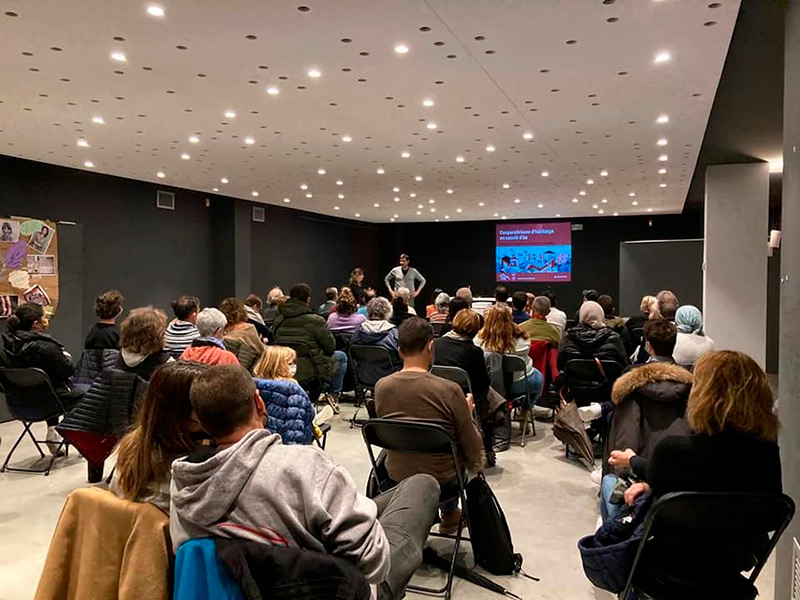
(795, 569)
(258, 214)
(165, 200)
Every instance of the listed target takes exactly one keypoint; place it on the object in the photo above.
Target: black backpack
(488, 530)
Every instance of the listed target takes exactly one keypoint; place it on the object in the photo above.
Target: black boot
(95, 474)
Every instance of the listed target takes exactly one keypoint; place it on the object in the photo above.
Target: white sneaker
(541, 412)
(597, 476)
(591, 412)
(53, 440)
(324, 415)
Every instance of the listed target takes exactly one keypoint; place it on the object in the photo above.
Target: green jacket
(296, 322)
(538, 329)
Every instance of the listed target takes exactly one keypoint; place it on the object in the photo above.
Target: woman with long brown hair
(162, 432)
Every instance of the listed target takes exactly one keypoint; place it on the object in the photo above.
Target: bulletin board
(28, 264)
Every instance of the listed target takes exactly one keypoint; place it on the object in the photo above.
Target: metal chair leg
(13, 448)
(33, 438)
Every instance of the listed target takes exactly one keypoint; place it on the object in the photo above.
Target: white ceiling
(584, 84)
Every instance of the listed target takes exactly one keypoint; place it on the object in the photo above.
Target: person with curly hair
(142, 342)
(344, 318)
(104, 334)
(240, 335)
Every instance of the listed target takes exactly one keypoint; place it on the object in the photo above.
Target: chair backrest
(438, 328)
(513, 364)
(740, 528)
(584, 373)
(370, 363)
(303, 350)
(455, 374)
(29, 394)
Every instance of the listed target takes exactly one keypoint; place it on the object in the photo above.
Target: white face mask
(293, 369)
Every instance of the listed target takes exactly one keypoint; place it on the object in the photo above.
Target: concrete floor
(549, 503)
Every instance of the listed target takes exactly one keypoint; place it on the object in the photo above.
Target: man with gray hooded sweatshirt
(252, 486)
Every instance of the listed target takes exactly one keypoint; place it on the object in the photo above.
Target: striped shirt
(179, 336)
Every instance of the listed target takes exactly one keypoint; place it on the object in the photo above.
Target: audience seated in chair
(25, 344)
(519, 302)
(442, 308)
(367, 294)
(466, 294)
(501, 296)
(344, 318)
(634, 326)
(590, 338)
(142, 342)
(667, 304)
(456, 349)
(400, 308)
(104, 335)
(556, 316)
(692, 342)
(208, 348)
(733, 448)
(378, 331)
(297, 323)
(537, 327)
(414, 393)
(241, 337)
(252, 486)
(275, 298)
(331, 297)
(165, 429)
(253, 305)
(431, 308)
(181, 331)
(290, 412)
(500, 335)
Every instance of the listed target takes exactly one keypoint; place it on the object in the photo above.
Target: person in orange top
(208, 348)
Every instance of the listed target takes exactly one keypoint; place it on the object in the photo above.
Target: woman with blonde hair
(163, 431)
(141, 341)
(290, 412)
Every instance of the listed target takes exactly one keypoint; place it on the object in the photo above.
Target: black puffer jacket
(30, 349)
(93, 362)
(582, 341)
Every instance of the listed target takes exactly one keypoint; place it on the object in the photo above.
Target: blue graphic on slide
(511, 261)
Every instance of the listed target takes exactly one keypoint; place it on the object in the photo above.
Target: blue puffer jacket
(289, 409)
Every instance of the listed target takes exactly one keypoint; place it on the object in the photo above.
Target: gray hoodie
(294, 496)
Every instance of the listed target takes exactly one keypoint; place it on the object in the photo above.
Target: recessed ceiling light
(662, 119)
(428, 102)
(635, 203)
(604, 200)
(458, 210)
(303, 186)
(89, 164)
(459, 159)
(632, 194)
(495, 215)
(99, 120)
(431, 126)
(662, 185)
(154, 10)
(194, 139)
(214, 189)
(249, 141)
(380, 171)
(309, 195)
(590, 182)
(517, 200)
(314, 73)
(185, 156)
(287, 200)
(83, 143)
(662, 57)
(347, 138)
(161, 174)
(616, 214)
(558, 214)
(273, 91)
(335, 208)
(662, 142)
(401, 49)
(506, 186)
(395, 216)
(540, 205)
(358, 215)
(341, 196)
(229, 114)
(574, 200)
(412, 195)
(376, 205)
(254, 194)
(433, 209)
(405, 154)
(603, 173)
(419, 212)
(649, 210)
(395, 189)
(545, 174)
(600, 212)
(490, 148)
(582, 193)
(663, 158)
(662, 171)
(418, 178)
(481, 204)
(340, 182)
(527, 135)
(446, 217)
(594, 206)
(449, 191)
(397, 198)
(119, 56)
(224, 180)
(420, 206)
(321, 171)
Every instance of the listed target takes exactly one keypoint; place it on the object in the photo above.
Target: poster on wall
(28, 264)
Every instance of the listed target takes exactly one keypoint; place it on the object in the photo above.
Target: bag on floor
(488, 530)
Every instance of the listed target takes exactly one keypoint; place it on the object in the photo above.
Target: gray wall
(651, 266)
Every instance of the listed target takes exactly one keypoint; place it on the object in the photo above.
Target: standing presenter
(405, 276)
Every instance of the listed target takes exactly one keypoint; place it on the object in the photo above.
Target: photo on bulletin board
(28, 264)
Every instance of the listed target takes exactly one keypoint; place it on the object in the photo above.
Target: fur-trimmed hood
(660, 381)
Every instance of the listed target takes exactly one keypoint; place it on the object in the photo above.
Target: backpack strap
(601, 369)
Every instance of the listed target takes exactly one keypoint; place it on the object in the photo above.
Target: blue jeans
(535, 383)
(608, 510)
(337, 379)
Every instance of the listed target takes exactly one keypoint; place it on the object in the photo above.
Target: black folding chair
(419, 437)
(454, 374)
(438, 328)
(739, 529)
(31, 398)
(370, 364)
(514, 364)
(586, 382)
